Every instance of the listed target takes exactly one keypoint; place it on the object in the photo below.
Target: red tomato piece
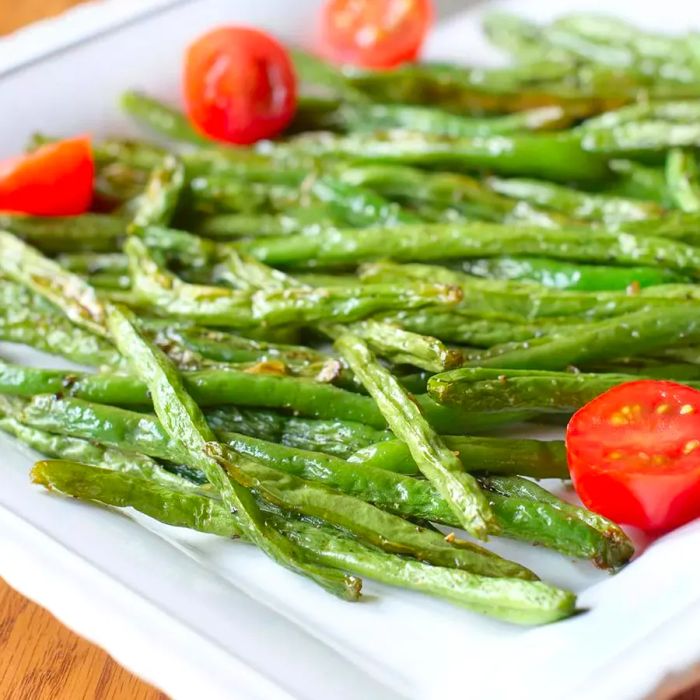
(239, 85)
(634, 454)
(374, 33)
(54, 180)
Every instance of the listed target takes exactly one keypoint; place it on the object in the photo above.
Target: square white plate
(202, 617)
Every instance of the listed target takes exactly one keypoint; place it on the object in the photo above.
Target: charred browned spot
(69, 380)
(274, 367)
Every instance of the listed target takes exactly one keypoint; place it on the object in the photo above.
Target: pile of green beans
(317, 344)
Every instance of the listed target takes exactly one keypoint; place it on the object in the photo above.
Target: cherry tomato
(634, 454)
(374, 33)
(239, 85)
(54, 180)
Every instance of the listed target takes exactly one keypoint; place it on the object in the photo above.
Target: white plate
(203, 617)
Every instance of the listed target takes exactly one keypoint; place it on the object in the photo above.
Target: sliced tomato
(374, 33)
(239, 85)
(634, 454)
(54, 180)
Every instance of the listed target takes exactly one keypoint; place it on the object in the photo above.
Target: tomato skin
(634, 454)
(54, 180)
(655, 503)
(239, 85)
(374, 33)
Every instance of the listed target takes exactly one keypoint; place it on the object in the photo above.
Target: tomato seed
(690, 446)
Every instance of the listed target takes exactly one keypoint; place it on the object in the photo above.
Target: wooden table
(40, 659)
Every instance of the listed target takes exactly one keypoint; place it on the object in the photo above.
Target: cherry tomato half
(239, 85)
(374, 33)
(634, 454)
(54, 180)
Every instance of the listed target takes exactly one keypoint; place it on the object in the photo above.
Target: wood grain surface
(16, 13)
(41, 659)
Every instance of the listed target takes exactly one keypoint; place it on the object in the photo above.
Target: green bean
(638, 181)
(230, 226)
(507, 389)
(108, 281)
(223, 192)
(602, 208)
(27, 318)
(523, 40)
(431, 455)
(312, 70)
(683, 179)
(634, 138)
(126, 489)
(183, 248)
(378, 117)
(675, 225)
(71, 448)
(427, 242)
(218, 387)
(690, 354)
(97, 233)
(157, 205)
(330, 200)
(137, 155)
(28, 266)
(521, 303)
(627, 335)
(228, 347)
(549, 156)
(161, 118)
(515, 602)
(649, 367)
(163, 292)
(615, 43)
(417, 498)
(403, 346)
(517, 487)
(325, 279)
(464, 194)
(365, 521)
(242, 271)
(267, 165)
(110, 426)
(335, 437)
(184, 422)
(91, 263)
(358, 206)
(533, 458)
(502, 90)
(670, 111)
(389, 341)
(565, 275)
(477, 332)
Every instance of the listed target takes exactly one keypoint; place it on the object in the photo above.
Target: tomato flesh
(634, 454)
(239, 85)
(54, 180)
(374, 33)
